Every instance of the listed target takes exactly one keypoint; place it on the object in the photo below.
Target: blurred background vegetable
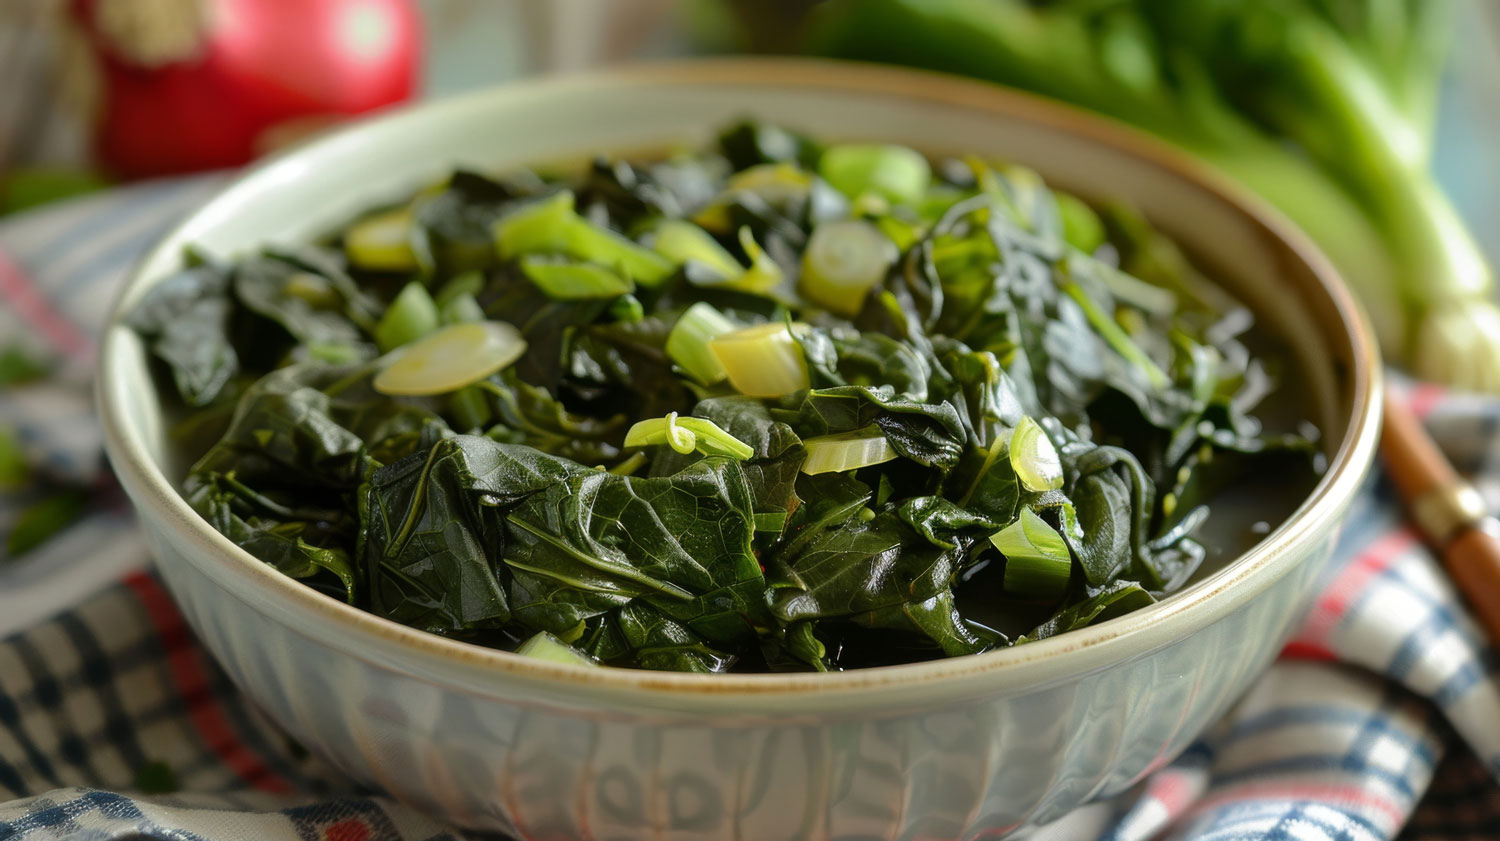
(1324, 107)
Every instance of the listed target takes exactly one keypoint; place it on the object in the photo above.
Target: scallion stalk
(847, 451)
(765, 360)
(687, 344)
(844, 259)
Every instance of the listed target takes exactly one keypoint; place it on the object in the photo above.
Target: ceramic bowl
(971, 747)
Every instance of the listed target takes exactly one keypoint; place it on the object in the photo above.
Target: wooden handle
(1411, 457)
(1473, 562)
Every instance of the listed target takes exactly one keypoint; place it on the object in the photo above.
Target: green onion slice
(412, 315)
(843, 260)
(847, 451)
(382, 242)
(687, 344)
(681, 241)
(1037, 562)
(765, 360)
(686, 435)
(451, 358)
(565, 280)
(461, 308)
(895, 173)
(1034, 458)
(552, 226)
(544, 646)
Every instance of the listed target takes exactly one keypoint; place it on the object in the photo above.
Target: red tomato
(260, 71)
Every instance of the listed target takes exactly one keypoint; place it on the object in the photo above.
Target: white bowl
(967, 747)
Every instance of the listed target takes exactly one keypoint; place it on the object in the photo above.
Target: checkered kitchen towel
(1381, 720)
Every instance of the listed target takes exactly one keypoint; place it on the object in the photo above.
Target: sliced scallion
(1037, 562)
(843, 260)
(468, 283)
(763, 275)
(412, 315)
(314, 289)
(545, 646)
(1034, 458)
(451, 358)
(775, 183)
(566, 280)
(681, 241)
(847, 451)
(687, 344)
(461, 308)
(382, 242)
(686, 435)
(552, 226)
(765, 360)
(1081, 226)
(627, 309)
(892, 172)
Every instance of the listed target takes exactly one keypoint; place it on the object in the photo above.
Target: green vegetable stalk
(1324, 107)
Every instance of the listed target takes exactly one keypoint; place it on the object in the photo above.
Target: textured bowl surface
(964, 748)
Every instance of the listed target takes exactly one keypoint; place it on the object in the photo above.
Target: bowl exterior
(562, 768)
(964, 748)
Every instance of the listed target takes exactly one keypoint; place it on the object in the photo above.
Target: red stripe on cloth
(1332, 795)
(1299, 650)
(1424, 397)
(33, 308)
(1331, 607)
(190, 675)
(1175, 791)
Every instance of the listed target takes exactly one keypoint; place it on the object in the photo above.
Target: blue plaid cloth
(1381, 720)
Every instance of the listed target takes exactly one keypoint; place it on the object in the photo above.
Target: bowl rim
(438, 659)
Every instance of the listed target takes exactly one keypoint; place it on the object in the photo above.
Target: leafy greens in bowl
(775, 406)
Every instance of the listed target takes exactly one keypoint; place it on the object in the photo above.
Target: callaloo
(776, 406)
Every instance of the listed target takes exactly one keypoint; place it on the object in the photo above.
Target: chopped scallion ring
(680, 241)
(451, 358)
(382, 242)
(847, 451)
(1033, 457)
(844, 259)
(412, 315)
(687, 344)
(765, 360)
(1037, 561)
(565, 280)
(895, 173)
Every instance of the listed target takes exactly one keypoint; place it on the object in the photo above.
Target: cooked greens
(772, 407)
(1326, 108)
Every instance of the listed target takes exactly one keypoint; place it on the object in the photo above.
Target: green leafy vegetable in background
(1325, 107)
(649, 437)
